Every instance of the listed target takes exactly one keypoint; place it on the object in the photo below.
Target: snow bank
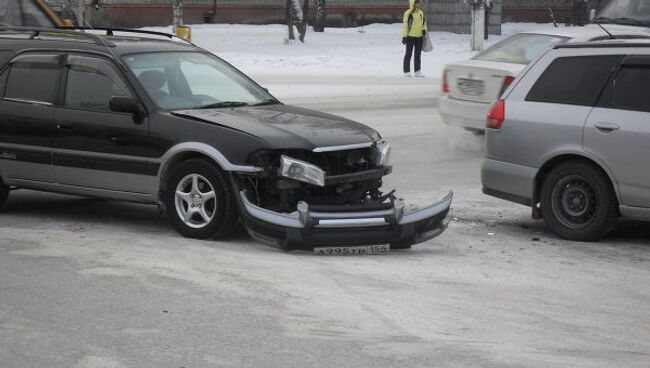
(373, 50)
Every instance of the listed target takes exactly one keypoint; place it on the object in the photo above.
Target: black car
(139, 118)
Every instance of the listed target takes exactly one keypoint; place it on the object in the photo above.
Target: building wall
(538, 10)
(158, 12)
(455, 16)
(442, 15)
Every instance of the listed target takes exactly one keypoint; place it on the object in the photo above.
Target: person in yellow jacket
(414, 29)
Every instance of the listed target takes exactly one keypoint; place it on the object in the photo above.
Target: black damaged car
(139, 118)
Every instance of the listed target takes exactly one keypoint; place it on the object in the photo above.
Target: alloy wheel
(196, 202)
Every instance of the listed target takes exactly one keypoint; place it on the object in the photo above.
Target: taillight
(507, 81)
(497, 115)
(445, 82)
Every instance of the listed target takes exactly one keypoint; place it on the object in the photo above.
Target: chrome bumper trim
(343, 147)
(302, 217)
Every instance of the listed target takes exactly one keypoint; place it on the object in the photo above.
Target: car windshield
(520, 49)
(191, 80)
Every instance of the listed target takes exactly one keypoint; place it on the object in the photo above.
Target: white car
(470, 87)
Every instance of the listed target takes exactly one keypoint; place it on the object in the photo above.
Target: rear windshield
(520, 49)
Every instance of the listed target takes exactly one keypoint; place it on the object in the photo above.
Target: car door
(618, 130)
(99, 148)
(27, 127)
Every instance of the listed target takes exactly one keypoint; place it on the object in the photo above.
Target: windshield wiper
(270, 101)
(221, 104)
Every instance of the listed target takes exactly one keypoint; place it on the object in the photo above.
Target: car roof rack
(110, 30)
(37, 31)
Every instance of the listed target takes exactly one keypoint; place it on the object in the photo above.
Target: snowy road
(99, 284)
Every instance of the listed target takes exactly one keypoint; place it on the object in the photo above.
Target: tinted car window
(26, 70)
(520, 49)
(91, 82)
(629, 90)
(574, 80)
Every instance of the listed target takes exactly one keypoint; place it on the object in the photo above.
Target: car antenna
(611, 36)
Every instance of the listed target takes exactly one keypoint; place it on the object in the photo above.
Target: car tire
(578, 202)
(199, 201)
(4, 193)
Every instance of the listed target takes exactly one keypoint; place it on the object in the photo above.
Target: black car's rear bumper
(320, 226)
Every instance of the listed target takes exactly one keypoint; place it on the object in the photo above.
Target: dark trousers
(413, 43)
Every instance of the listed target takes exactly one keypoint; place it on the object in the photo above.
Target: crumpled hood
(411, 5)
(287, 127)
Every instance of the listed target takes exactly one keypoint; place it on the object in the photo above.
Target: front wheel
(578, 202)
(199, 201)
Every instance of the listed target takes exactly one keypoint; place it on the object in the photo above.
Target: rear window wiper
(270, 101)
(217, 105)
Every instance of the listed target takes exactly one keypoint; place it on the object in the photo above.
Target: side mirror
(127, 105)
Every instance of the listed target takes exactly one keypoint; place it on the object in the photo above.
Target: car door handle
(606, 127)
(65, 126)
(123, 141)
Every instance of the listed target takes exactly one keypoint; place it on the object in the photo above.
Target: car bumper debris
(345, 226)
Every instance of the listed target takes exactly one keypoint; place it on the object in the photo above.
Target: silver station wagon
(571, 137)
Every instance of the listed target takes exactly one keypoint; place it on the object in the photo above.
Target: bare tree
(73, 10)
(319, 19)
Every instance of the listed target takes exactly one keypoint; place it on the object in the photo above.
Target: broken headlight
(382, 153)
(301, 171)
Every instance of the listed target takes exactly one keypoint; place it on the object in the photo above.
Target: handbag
(427, 46)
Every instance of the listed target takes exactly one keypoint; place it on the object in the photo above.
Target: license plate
(365, 250)
(471, 87)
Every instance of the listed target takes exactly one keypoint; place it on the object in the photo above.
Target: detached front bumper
(342, 226)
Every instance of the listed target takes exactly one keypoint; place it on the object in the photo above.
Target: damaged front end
(331, 197)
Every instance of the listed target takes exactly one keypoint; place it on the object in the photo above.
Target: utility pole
(478, 9)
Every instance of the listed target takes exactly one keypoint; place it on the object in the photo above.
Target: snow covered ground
(373, 50)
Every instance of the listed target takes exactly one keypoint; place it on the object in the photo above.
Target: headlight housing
(301, 171)
(382, 153)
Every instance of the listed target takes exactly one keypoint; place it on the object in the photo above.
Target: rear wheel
(199, 201)
(578, 202)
